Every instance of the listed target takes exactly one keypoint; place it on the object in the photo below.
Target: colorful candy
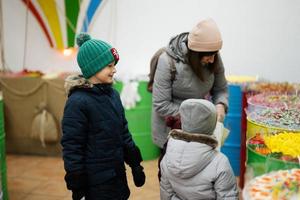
(265, 100)
(278, 88)
(284, 146)
(278, 117)
(282, 184)
(286, 143)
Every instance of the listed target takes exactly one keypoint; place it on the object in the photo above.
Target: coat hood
(189, 153)
(76, 81)
(198, 116)
(177, 47)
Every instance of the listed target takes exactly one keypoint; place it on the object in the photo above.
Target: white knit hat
(205, 37)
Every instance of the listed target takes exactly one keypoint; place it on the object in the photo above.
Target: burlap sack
(44, 127)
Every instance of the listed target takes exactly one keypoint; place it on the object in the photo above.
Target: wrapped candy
(278, 117)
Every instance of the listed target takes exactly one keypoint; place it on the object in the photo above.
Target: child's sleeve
(225, 184)
(132, 154)
(74, 127)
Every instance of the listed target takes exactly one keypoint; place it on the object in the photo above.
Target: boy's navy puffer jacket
(95, 140)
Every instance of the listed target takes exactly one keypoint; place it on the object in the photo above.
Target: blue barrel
(233, 120)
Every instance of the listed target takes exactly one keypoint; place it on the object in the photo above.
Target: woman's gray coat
(167, 95)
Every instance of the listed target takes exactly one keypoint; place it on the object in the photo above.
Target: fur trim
(76, 81)
(194, 137)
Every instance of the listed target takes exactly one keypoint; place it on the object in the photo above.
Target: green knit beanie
(94, 55)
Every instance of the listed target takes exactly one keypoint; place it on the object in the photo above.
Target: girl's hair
(194, 59)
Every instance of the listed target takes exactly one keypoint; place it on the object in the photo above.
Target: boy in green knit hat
(96, 141)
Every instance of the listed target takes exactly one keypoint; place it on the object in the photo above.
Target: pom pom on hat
(205, 37)
(82, 38)
(94, 55)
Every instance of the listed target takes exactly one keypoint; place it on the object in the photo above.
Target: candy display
(278, 117)
(278, 185)
(286, 143)
(268, 87)
(254, 127)
(265, 100)
(273, 145)
(284, 146)
(273, 152)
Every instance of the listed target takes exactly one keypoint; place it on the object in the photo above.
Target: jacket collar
(194, 137)
(74, 82)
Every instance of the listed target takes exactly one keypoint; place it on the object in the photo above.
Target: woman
(199, 75)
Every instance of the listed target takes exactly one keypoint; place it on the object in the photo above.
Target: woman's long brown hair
(194, 59)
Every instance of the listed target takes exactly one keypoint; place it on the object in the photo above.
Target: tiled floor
(41, 178)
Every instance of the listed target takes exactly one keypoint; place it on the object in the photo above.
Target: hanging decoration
(59, 19)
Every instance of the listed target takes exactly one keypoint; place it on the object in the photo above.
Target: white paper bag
(221, 133)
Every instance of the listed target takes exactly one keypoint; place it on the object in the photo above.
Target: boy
(192, 168)
(96, 140)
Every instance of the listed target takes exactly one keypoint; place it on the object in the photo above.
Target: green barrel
(2, 154)
(139, 122)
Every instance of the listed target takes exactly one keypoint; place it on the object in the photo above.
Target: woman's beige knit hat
(205, 37)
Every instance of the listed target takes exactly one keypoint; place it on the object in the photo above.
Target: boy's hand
(138, 176)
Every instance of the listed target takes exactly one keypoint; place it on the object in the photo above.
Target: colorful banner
(54, 18)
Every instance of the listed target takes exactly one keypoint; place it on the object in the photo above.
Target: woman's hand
(173, 122)
(220, 112)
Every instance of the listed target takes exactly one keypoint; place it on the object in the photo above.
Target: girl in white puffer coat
(192, 169)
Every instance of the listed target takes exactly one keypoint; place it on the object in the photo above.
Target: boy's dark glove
(78, 194)
(138, 176)
(76, 181)
(173, 122)
(133, 156)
